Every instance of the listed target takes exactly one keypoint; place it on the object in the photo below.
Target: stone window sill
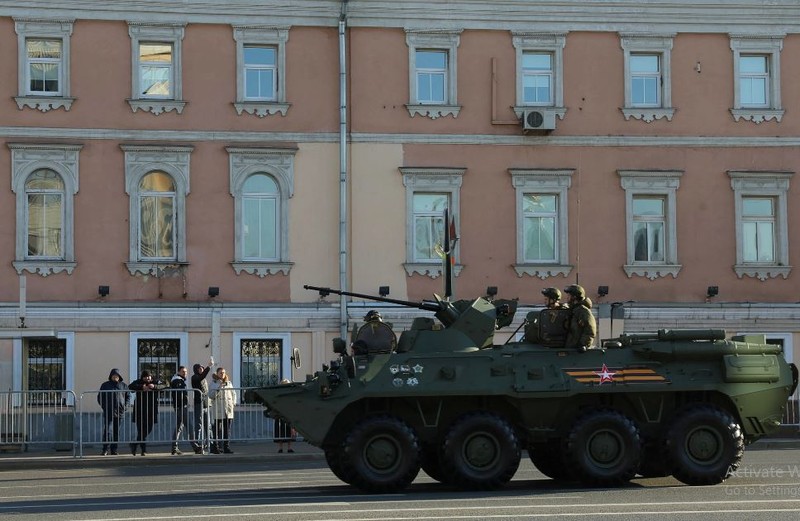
(157, 269)
(262, 269)
(542, 271)
(44, 267)
(648, 115)
(762, 272)
(261, 108)
(652, 271)
(433, 111)
(432, 270)
(44, 103)
(757, 116)
(157, 106)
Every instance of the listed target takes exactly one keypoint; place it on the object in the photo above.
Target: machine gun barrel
(426, 305)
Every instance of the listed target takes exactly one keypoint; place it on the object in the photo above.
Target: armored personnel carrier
(444, 398)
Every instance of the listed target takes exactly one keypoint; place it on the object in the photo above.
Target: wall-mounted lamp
(712, 291)
(103, 291)
(383, 291)
(213, 291)
(491, 292)
(602, 291)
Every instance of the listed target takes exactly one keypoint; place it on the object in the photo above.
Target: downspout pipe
(343, 221)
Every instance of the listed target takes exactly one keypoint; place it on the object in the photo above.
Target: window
(262, 182)
(44, 71)
(45, 179)
(44, 366)
(261, 70)
(541, 209)
(157, 85)
(262, 359)
(157, 180)
(159, 353)
(540, 65)
(648, 84)
(433, 72)
(651, 222)
(757, 77)
(428, 192)
(762, 240)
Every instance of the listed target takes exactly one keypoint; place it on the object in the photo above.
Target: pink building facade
(153, 152)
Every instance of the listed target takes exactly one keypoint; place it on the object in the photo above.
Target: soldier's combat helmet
(372, 315)
(575, 291)
(552, 293)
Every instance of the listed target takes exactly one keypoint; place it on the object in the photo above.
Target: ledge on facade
(542, 270)
(432, 270)
(519, 110)
(261, 108)
(652, 271)
(44, 103)
(157, 269)
(44, 267)
(757, 115)
(157, 106)
(433, 111)
(262, 269)
(648, 115)
(762, 272)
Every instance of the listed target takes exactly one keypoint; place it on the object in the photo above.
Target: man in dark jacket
(145, 409)
(180, 403)
(113, 399)
(200, 386)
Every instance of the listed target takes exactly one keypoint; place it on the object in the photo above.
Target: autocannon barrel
(674, 335)
(426, 305)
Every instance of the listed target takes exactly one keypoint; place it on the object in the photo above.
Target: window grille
(45, 362)
(261, 362)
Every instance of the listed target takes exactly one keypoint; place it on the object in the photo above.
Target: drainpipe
(343, 171)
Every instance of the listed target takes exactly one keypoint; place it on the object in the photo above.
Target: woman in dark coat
(145, 408)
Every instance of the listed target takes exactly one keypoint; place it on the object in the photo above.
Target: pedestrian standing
(200, 392)
(145, 409)
(180, 403)
(223, 398)
(113, 398)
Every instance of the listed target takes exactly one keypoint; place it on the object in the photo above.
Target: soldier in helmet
(582, 327)
(552, 298)
(373, 315)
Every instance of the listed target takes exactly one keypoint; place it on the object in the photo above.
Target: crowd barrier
(37, 418)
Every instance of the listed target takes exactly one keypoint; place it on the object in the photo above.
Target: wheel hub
(481, 450)
(382, 454)
(605, 448)
(703, 445)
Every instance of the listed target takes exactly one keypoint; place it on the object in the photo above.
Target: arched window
(157, 217)
(44, 208)
(260, 217)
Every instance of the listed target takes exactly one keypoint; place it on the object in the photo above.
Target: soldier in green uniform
(582, 327)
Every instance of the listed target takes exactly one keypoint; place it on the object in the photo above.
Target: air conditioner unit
(538, 119)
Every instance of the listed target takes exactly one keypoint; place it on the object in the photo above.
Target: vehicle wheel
(548, 458)
(603, 448)
(480, 452)
(705, 445)
(381, 454)
(333, 456)
(432, 465)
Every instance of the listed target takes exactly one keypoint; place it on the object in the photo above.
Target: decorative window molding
(436, 40)
(27, 158)
(157, 33)
(430, 180)
(552, 44)
(774, 185)
(258, 35)
(656, 183)
(770, 47)
(650, 44)
(32, 29)
(543, 181)
(278, 164)
(141, 160)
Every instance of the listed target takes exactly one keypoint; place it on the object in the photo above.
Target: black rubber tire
(333, 456)
(704, 445)
(603, 448)
(380, 455)
(481, 451)
(432, 464)
(548, 458)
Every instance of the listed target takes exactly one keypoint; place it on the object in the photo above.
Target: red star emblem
(605, 375)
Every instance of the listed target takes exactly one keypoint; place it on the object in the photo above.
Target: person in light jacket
(223, 400)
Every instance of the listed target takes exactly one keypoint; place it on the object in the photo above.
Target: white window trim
(261, 35)
(69, 367)
(27, 158)
(771, 46)
(663, 183)
(552, 43)
(170, 33)
(436, 180)
(766, 184)
(437, 39)
(140, 160)
(543, 181)
(286, 355)
(45, 29)
(133, 353)
(279, 163)
(650, 43)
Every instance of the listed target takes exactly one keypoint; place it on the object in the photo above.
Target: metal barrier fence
(37, 418)
(792, 416)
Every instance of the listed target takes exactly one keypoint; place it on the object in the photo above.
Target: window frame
(430, 180)
(266, 36)
(769, 46)
(279, 164)
(27, 158)
(29, 28)
(652, 183)
(545, 43)
(133, 348)
(161, 195)
(286, 354)
(18, 366)
(764, 184)
(546, 182)
(161, 33)
(648, 44)
(62, 193)
(433, 40)
(141, 160)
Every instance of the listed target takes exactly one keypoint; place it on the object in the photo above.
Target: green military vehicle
(445, 399)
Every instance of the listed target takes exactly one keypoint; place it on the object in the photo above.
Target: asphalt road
(766, 487)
